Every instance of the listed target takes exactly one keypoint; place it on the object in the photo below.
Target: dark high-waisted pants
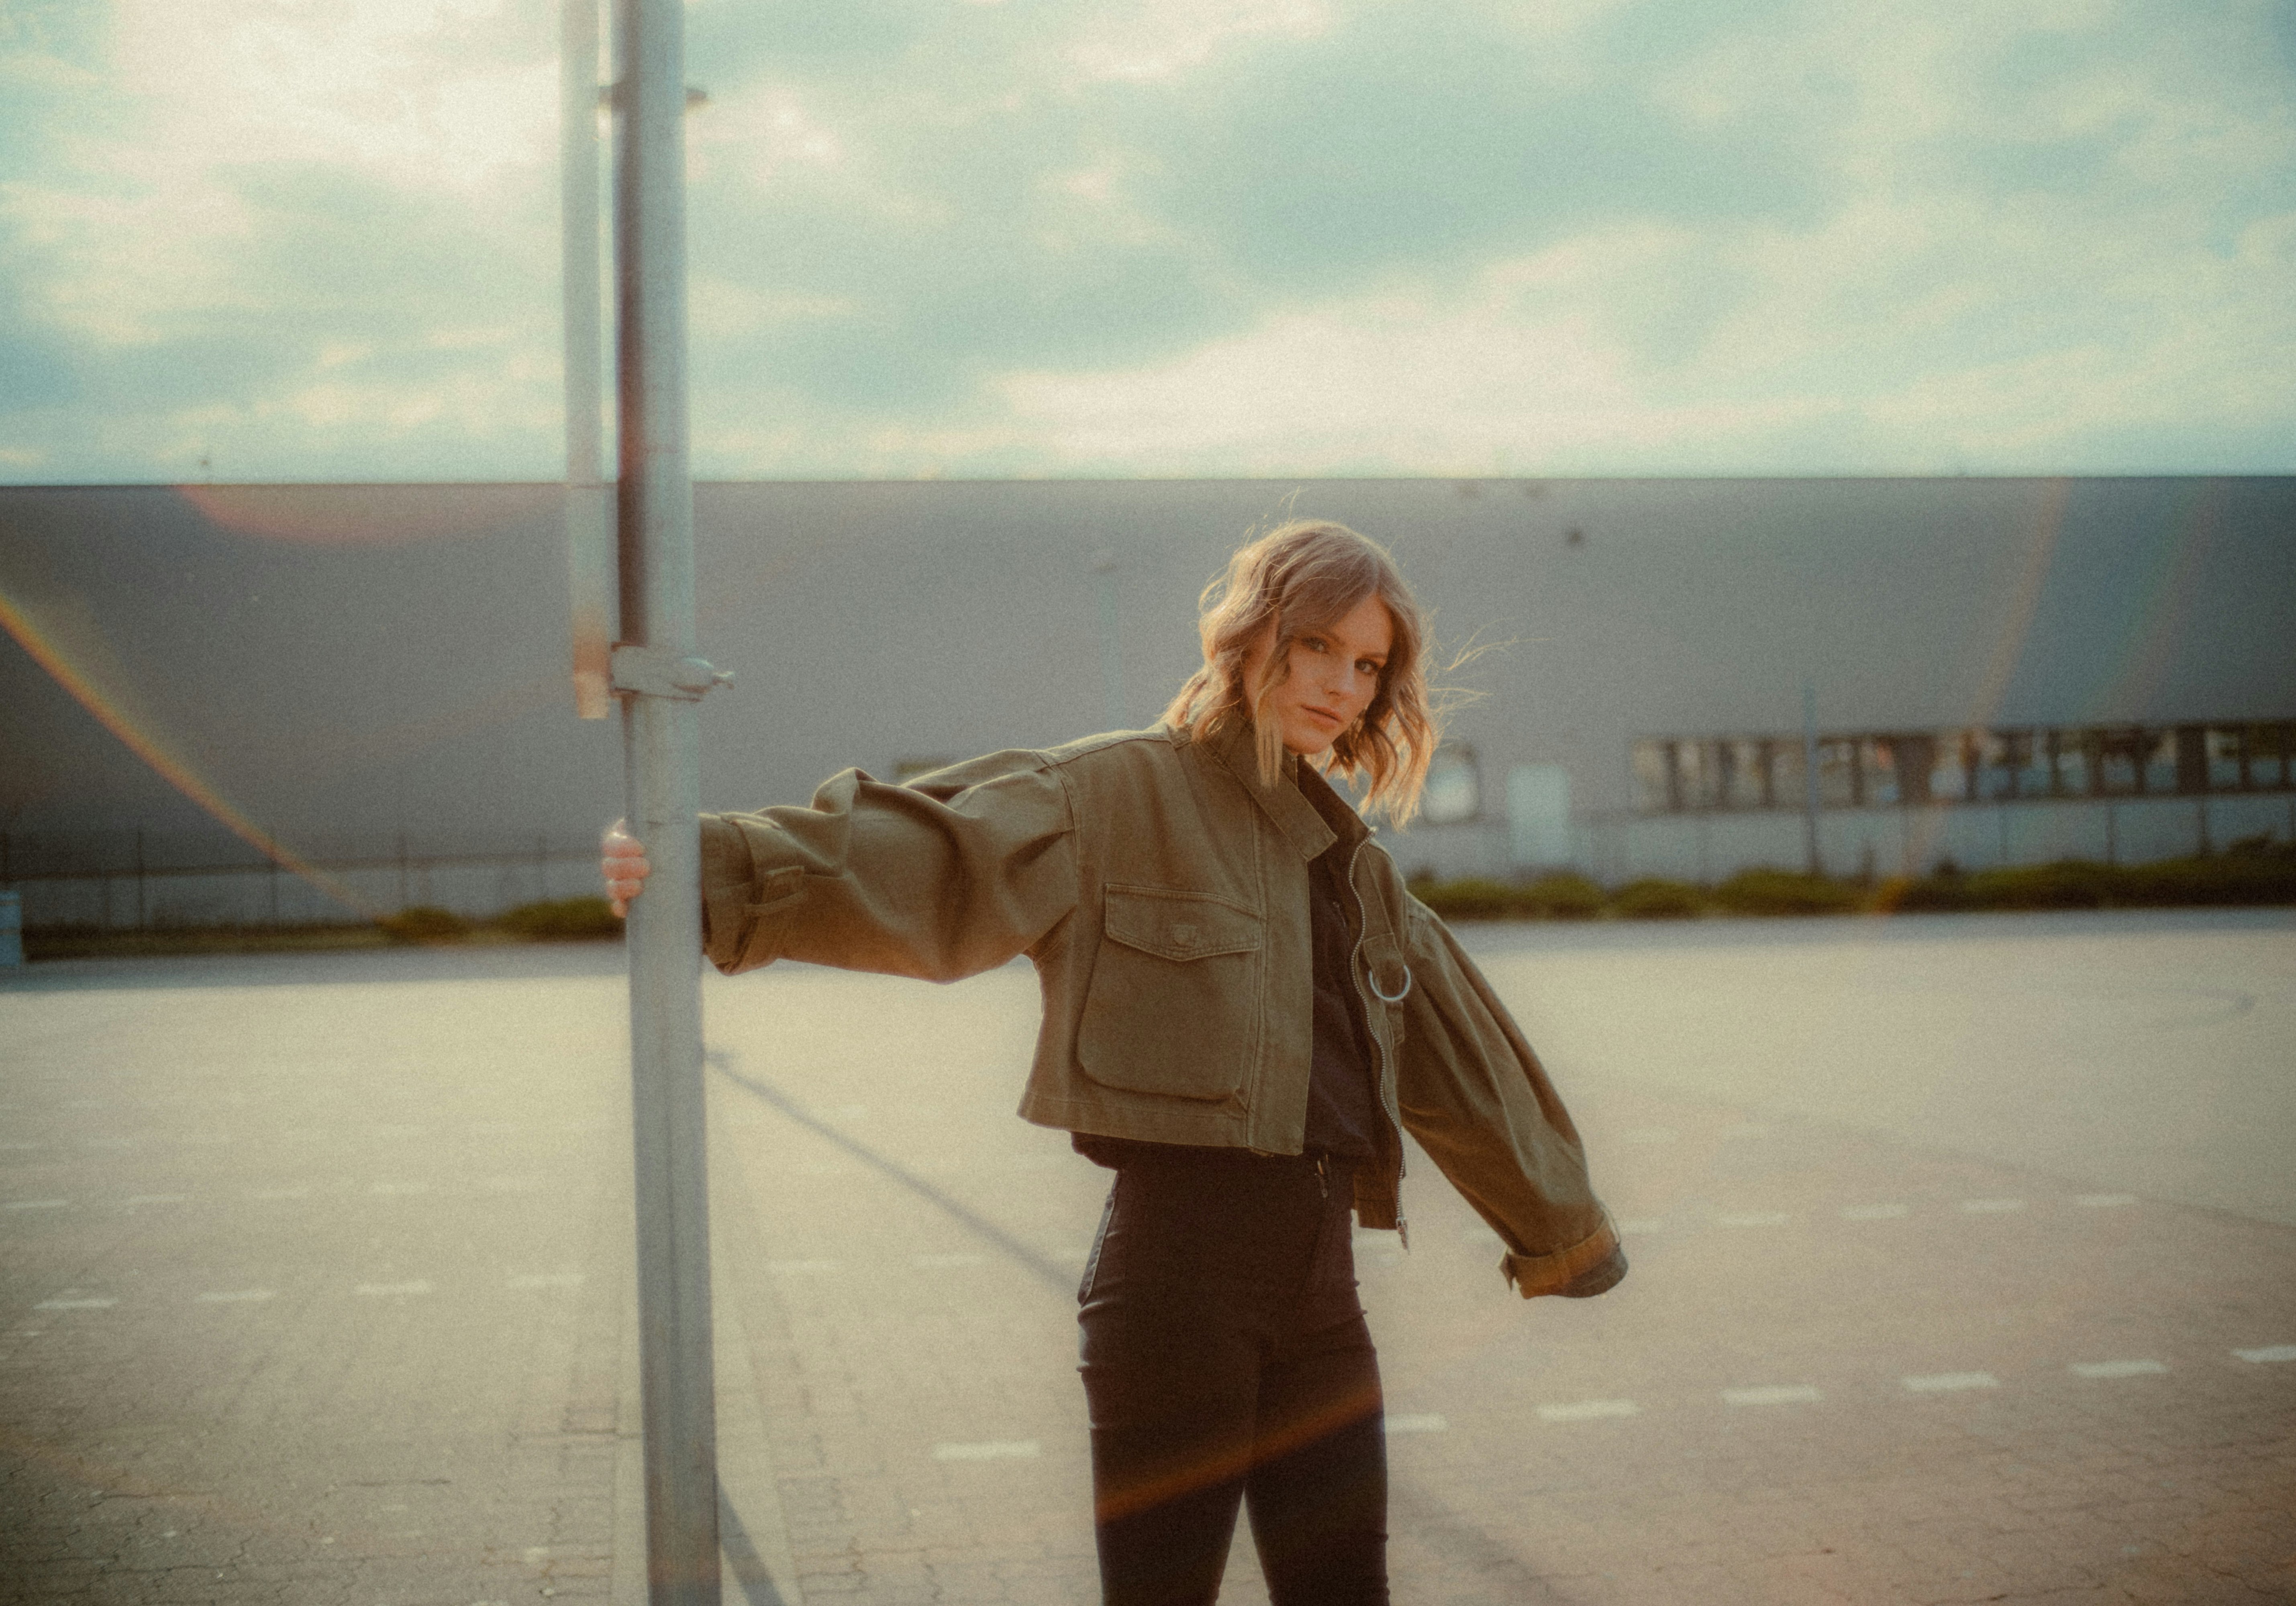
(1225, 1360)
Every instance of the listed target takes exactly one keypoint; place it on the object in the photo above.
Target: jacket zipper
(1387, 1098)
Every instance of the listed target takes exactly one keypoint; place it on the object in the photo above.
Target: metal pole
(589, 545)
(662, 681)
(1809, 777)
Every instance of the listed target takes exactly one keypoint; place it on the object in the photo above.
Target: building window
(1455, 789)
(1680, 775)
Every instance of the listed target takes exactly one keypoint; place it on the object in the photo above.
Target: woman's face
(1334, 676)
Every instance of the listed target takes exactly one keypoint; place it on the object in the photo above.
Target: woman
(1244, 1011)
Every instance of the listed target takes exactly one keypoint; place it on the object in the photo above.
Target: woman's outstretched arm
(941, 880)
(944, 878)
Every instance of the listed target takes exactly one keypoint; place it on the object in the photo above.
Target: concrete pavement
(1963, 1269)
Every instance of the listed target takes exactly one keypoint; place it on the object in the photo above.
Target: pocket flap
(1178, 925)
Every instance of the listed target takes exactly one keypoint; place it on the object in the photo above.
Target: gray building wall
(379, 672)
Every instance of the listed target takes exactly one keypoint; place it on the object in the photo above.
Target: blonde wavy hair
(1298, 579)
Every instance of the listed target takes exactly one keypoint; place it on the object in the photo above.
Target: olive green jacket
(1161, 891)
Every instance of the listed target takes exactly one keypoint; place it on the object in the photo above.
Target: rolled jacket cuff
(1589, 1266)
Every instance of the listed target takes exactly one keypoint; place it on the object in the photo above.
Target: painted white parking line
(386, 1289)
(546, 1280)
(2271, 1352)
(1874, 1212)
(239, 1295)
(1589, 1410)
(1776, 1394)
(1991, 1206)
(2103, 1201)
(1755, 1218)
(68, 1303)
(148, 1199)
(802, 1267)
(1642, 1228)
(2116, 1368)
(1419, 1421)
(1948, 1382)
(36, 1204)
(993, 1449)
(944, 1262)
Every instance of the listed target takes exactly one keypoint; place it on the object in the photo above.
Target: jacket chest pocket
(1173, 1007)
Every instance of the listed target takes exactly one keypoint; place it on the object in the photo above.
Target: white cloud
(317, 237)
(1143, 40)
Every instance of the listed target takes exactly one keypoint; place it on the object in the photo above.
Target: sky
(317, 239)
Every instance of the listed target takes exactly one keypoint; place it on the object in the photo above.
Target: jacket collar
(1302, 824)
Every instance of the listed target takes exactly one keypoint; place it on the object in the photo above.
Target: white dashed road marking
(2274, 1352)
(803, 1266)
(239, 1295)
(416, 1287)
(1991, 1206)
(1419, 1421)
(37, 1204)
(145, 1199)
(1946, 1382)
(1589, 1410)
(279, 1194)
(2116, 1368)
(71, 1304)
(1778, 1394)
(546, 1280)
(994, 1449)
(2101, 1201)
(1875, 1212)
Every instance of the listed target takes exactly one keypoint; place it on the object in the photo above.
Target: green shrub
(1564, 896)
(1784, 892)
(566, 920)
(1473, 899)
(2067, 884)
(2248, 879)
(424, 923)
(1654, 897)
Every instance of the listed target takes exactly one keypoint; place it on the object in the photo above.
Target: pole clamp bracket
(639, 671)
